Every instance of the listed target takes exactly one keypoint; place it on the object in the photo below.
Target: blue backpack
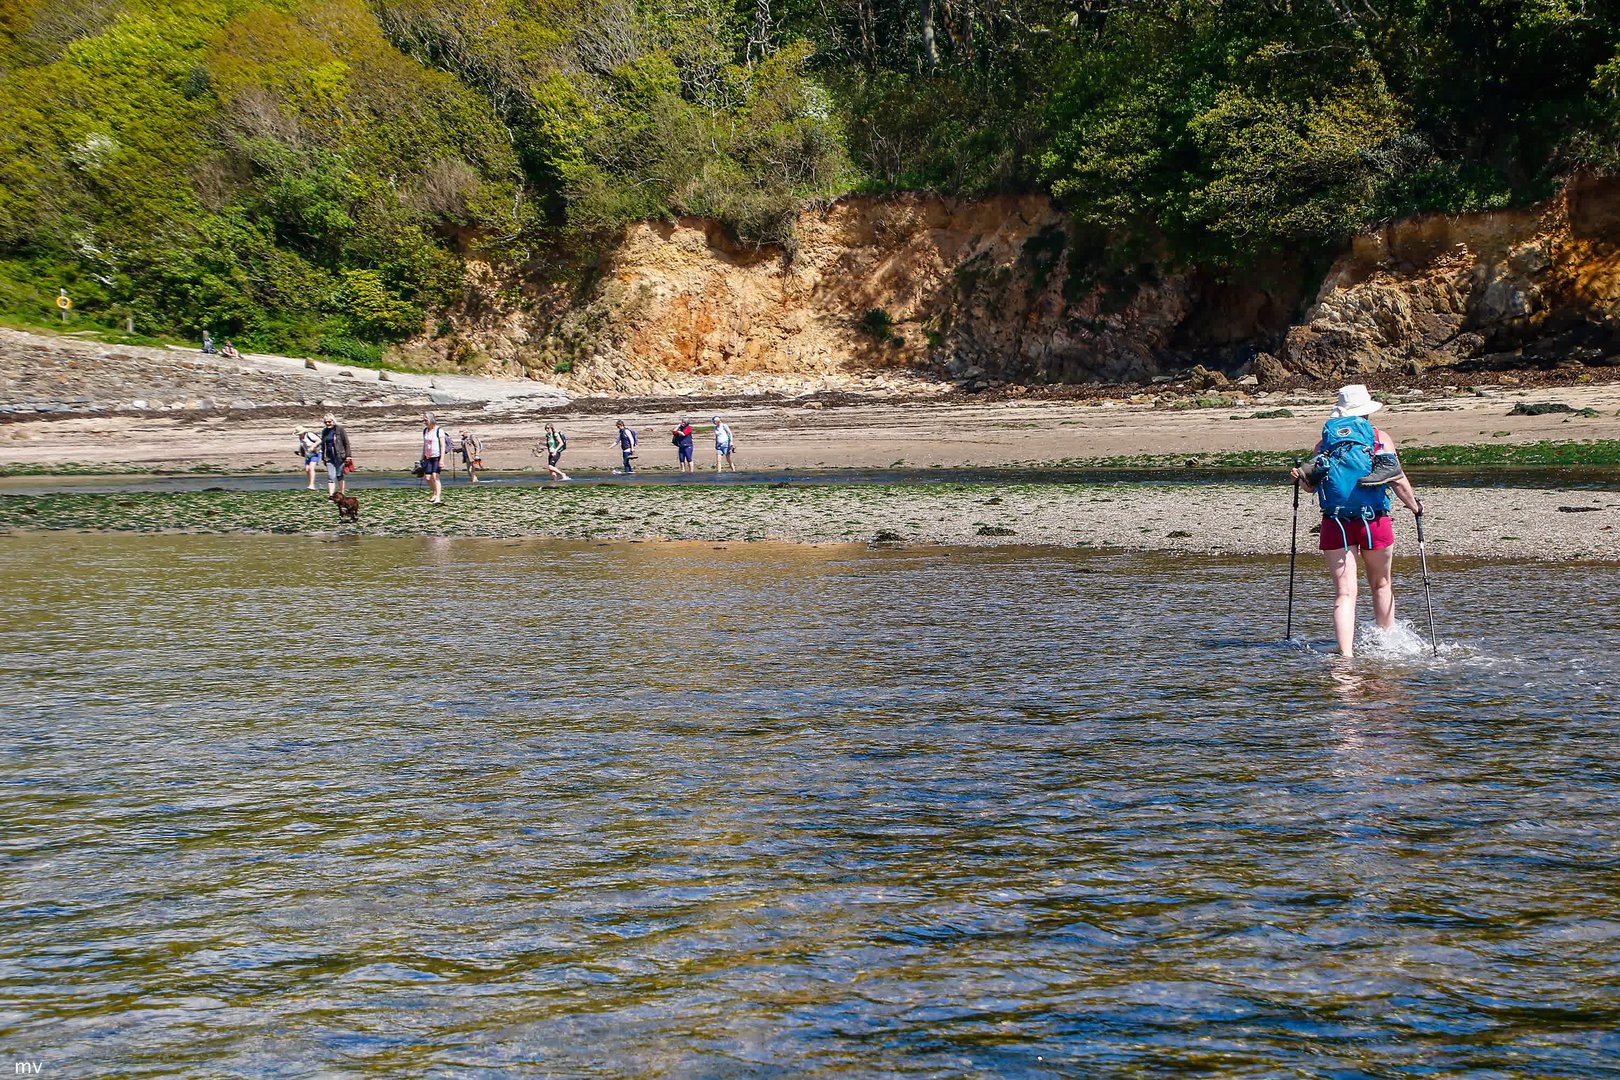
(1346, 456)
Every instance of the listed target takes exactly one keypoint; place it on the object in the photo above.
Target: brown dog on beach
(348, 507)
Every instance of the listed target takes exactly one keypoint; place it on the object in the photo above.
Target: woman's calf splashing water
(1353, 470)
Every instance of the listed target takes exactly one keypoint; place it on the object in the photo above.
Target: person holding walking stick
(1352, 471)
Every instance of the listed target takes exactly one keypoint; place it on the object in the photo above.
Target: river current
(278, 806)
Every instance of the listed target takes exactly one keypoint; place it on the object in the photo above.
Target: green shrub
(877, 323)
(349, 350)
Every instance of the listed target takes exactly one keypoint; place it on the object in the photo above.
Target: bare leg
(433, 482)
(309, 471)
(1342, 565)
(1380, 581)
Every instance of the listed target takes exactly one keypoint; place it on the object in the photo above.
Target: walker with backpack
(1351, 479)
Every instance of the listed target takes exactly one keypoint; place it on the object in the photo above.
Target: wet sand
(1214, 518)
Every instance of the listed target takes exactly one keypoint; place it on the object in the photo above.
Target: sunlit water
(285, 807)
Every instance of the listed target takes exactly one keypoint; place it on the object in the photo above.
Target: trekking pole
(1293, 553)
(1423, 557)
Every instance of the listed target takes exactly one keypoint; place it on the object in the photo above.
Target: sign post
(63, 304)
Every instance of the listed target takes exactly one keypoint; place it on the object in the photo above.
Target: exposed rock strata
(985, 292)
(1502, 289)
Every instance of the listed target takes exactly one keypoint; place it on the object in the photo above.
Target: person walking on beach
(336, 452)
(1352, 470)
(435, 444)
(472, 454)
(681, 436)
(722, 446)
(556, 443)
(309, 450)
(626, 439)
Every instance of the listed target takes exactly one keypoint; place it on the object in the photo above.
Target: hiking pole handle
(1420, 523)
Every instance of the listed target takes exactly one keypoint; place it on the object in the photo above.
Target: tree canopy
(307, 174)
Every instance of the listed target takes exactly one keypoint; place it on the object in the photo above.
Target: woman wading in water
(1352, 471)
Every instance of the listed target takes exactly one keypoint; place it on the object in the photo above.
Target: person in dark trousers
(625, 439)
(208, 343)
(336, 452)
(681, 436)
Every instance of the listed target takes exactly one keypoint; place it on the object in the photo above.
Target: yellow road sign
(63, 302)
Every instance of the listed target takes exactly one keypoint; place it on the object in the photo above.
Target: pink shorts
(1368, 535)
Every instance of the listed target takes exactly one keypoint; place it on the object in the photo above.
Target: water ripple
(275, 807)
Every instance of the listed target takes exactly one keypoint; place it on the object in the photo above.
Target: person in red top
(682, 438)
(1343, 538)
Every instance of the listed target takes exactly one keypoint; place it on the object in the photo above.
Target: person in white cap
(1352, 470)
(309, 451)
(722, 446)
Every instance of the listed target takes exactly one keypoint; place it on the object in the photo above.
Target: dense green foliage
(304, 174)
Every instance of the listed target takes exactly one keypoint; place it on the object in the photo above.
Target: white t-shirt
(431, 447)
(722, 435)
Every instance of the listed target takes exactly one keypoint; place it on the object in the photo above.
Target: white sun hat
(1354, 400)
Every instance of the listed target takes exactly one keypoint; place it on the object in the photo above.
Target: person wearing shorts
(335, 451)
(309, 450)
(723, 444)
(555, 445)
(1342, 540)
(434, 441)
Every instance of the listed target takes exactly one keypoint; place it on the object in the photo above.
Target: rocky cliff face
(874, 290)
(997, 290)
(1498, 289)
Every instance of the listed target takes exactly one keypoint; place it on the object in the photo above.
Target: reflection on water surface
(283, 806)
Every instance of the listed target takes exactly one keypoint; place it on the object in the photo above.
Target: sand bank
(1195, 518)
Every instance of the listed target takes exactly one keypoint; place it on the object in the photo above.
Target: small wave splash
(1404, 641)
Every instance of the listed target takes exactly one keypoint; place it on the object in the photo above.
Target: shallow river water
(292, 807)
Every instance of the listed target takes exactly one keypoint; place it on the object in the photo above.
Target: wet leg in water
(1380, 581)
(1342, 564)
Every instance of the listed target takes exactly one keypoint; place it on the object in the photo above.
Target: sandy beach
(786, 436)
(1169, 427)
